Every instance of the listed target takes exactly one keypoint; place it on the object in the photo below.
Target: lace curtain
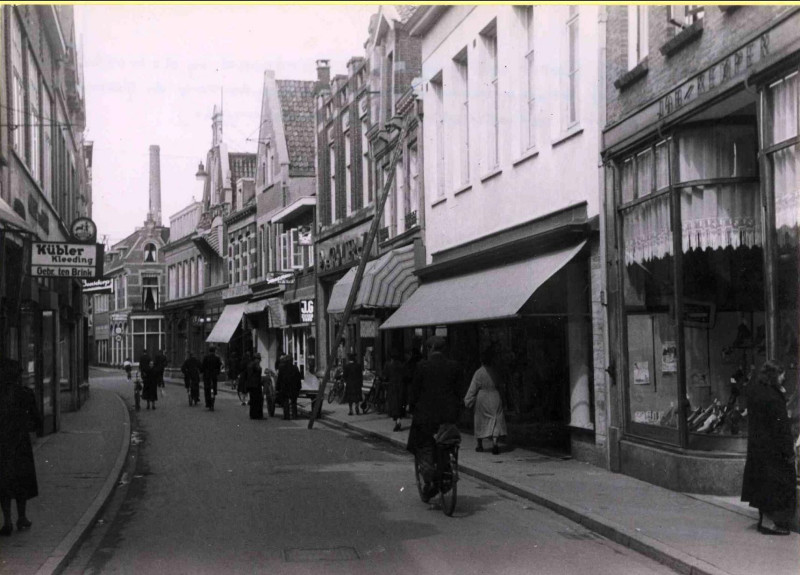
(647, 230)
(717, 217)
(784, 100)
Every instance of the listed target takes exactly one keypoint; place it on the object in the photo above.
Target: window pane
(662, 165)
(648, 296)
(628, 181)
(717, 152)
(644, 173)
(783, 100)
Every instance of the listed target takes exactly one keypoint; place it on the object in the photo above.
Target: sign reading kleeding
(55, 259)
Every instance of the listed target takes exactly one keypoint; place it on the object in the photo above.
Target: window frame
(573, 66)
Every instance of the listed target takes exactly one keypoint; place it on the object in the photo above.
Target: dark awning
(494, 293)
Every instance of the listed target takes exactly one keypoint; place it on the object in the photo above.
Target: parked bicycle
(376, 397)
(336, 392)
(448, 441)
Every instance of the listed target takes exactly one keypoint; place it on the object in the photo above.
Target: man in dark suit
(435, 398)
(211, 367)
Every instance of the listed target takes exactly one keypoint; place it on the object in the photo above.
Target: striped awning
(388, 282)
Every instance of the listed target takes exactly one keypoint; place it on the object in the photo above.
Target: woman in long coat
(353, 375)
(769, 482)
(490, 419)
(394, 375)
(252, 376)
(149, 381)
(18, 416)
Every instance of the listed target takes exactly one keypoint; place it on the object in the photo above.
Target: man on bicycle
(434, 398)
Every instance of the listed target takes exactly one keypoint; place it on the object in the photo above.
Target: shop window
(782, 127)
(720, 243)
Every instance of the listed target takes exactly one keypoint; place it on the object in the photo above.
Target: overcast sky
(154, 73)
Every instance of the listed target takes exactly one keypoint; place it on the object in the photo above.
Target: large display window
(693, 282)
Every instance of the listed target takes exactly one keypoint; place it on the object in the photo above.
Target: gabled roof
(297, 111)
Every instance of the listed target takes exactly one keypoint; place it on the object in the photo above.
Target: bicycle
(337, 387)
(376, 397)
(446, 446)
(269, 390)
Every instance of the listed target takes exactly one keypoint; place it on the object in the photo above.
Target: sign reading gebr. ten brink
(64, 260)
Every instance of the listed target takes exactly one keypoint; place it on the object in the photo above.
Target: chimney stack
(323, 73)
(154, 214)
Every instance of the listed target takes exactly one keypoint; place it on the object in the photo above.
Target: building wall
(723, 30)
(527, 184)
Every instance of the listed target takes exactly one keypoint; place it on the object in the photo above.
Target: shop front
(534, 309)
(702, 236)
(388, 281)
(299, 334)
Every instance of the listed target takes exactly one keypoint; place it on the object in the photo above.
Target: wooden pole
(362, 264)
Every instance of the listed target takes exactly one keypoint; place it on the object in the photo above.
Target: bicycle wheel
(332, 392)
(340, 392)
(448, 484)
(419, 479)
(242, 397)
(367, 404)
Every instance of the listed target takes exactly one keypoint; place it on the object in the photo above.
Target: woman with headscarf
(19, 415)
(769, 482)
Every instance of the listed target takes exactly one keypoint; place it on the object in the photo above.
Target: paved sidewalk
(77, 469)
(691, 534)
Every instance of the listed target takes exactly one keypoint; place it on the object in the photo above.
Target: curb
(69, 545)
(654, 549)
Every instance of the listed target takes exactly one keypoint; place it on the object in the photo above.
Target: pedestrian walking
(435, 399)
(353, 375)
(254, 389)
(149, 381)
(191, 378)
(159, 365)
(19, 415)
(483, 395)
(410, 370)
(128, 367)
(211, 367)
(288, 386)
(769, 482)
(393, 375)
(242, 376)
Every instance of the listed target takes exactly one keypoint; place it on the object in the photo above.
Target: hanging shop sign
(283, 279)
(307, 310)
(67, 260)
(83, 230)
(119, 317)
(98, 286)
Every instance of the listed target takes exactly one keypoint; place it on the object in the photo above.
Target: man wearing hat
(435, 398)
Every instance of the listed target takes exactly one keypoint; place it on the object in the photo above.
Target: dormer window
(150, 253)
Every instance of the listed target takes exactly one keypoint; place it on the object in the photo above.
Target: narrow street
(219, 493)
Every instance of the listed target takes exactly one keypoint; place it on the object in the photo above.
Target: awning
(272, 306)
(388, 282)
(9, 217)
(495, 293)
(227, 323)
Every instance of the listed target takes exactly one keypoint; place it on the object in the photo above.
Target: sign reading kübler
(55, 259)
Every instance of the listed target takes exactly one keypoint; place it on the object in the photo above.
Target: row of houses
(45, 187)
(607, 194)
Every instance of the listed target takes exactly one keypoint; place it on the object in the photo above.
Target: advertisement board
(66, 260)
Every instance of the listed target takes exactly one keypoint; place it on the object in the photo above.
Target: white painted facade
(558, 170)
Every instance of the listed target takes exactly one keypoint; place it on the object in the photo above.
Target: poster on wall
(669, 357)
(641, 373)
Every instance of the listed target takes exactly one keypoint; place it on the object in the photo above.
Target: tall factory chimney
(154, 214)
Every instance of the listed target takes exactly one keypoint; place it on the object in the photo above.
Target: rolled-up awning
(388, 281)
(227, 323)
(494, 293)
